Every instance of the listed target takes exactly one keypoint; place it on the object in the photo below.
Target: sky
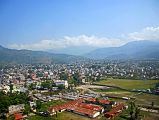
(76, 26)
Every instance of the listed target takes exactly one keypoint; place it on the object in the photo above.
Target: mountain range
(132, 50)
(29, 56)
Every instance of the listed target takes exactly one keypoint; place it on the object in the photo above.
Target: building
(61, 82)
(18, 116)
(86, 112)
(115, 111)
(16, 108)
(76, 106)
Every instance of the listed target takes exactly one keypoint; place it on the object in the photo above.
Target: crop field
(129, 84)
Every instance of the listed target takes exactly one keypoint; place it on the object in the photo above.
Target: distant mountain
(28, 56)
(73, 50)
(133, 50)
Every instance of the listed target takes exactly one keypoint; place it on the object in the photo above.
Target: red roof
(78, 106)
(90, 106)
(105, 101)
(69, 104)
(84, 111)
(114, 110)
(18, 116)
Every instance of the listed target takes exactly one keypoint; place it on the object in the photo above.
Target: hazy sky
(61, 24)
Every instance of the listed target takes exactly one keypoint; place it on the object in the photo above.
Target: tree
(137, 113)
(61, 87)
(27, 109)
(38, 104)
(63, 76)
(77, 78)
(134, 111)
(46, 84)
(132, 106)
(31, 86)
(11, 88)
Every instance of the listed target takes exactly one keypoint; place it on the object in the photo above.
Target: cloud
(148, 33)
(67, 41)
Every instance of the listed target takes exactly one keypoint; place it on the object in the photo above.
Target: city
(47, 90)
(79, 60)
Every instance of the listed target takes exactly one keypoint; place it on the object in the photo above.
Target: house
(91, 107)
(115, 111)
(86, 112)
(18, 116)
(105, 103)
(16, 108)
(90, 100)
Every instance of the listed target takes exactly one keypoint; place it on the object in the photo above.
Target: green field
(129, 84)
(61, 116)
(46, 105)
(147, 99)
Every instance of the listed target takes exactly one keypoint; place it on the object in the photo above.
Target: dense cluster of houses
(21, 76)
(18, 78)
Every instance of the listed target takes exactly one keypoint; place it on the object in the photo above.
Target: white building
(61, 82)
(16, 108)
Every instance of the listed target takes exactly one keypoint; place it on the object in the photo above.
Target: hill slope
(28, 56)
(132, 50)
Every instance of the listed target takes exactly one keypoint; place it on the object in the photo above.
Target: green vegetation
(36, 117)
(44, 106)
(147, 99)
(61, 116)
(129, 84)
(46, 84)
(12, 99)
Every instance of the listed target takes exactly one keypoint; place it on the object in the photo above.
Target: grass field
(147, 99)
(129, 84)
(46, 105)
(142, 98)
(65, 116)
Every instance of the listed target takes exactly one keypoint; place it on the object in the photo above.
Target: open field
(142, 98)
(129, 84)
(46, 105)
(147, 99)
(62, 116)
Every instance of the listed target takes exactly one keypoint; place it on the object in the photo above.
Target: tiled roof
(18, 116)
(90, 106)
(104, 101)
(84, 111)
(77, 106)
(115, 110)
